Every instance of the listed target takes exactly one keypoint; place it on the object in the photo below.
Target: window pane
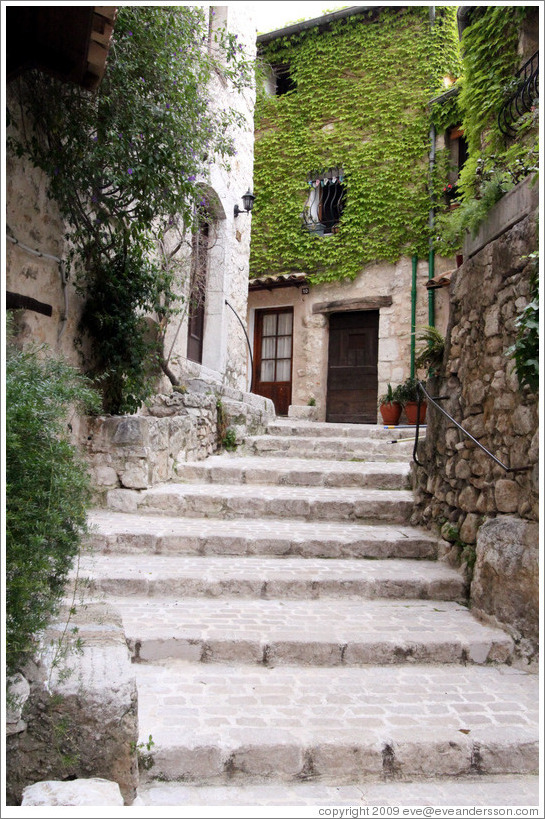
(284, 347)
(267, 370)
(283, 369)
(269, 324)
(285, 321)
(267, 348)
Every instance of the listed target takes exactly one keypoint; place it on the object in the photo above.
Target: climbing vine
(495, 163)
(360, 102)
(124, 166)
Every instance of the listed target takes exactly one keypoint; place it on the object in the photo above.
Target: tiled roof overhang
(441, 280)
(69, 42)
(280, 280)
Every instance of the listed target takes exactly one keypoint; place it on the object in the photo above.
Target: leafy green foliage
(47, 491)
(124, 165)
(495, 164)
(361, 102)
(525, 350)
(430, 356)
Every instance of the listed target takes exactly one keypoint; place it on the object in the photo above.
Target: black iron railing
(523, 97)
(423, 394)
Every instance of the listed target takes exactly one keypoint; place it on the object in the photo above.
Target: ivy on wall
(495, 163)
(361, 96)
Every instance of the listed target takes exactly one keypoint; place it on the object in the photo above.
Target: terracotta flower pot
(391, 413)
(411, 411)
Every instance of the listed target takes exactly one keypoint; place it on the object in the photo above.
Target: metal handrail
(423, 392)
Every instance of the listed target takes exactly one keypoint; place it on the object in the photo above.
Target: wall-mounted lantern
(248, 200)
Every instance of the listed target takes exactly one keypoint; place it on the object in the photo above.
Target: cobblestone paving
(420, 721)
(150, 533)
(337, 632)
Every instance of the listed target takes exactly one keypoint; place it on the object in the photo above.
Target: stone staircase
(297, 642)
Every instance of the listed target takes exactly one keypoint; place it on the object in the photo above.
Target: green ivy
(361, 102)
(124, 165)
(495, 163)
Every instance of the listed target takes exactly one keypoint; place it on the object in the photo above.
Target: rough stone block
(93, 792)
(506, 578)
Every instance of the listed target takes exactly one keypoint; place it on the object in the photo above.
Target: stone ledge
(512, 208)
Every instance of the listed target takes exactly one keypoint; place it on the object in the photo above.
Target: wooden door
(352, 367)
(273, 346)
(197, 293)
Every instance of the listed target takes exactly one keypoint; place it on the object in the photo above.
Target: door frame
(257, 322)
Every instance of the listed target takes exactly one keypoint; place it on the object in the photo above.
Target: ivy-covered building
(347, 162)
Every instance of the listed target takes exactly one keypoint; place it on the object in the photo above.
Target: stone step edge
(217, 504)
(509, 790)
(344, 763)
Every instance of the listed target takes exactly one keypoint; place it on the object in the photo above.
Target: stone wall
(138, 451)
(79, 715)
(458, 487)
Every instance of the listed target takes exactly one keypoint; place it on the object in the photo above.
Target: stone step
(327, 631)
(471, 791)
(302, 503)
(270, 578)
(153, 534)
(236, 469)
(338, 449)
(238, 725)
(323, 429)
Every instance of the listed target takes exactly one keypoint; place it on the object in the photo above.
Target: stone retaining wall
(459, 487)
(138, 451)
(79, 718)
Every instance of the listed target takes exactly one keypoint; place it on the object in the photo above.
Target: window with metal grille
(325, 204)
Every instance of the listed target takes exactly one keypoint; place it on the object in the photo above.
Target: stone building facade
(488, 512)
(340, 338)
(214, 370)
(34, 224)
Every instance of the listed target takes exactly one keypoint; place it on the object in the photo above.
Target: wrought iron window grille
(523, 98)
(325, 203)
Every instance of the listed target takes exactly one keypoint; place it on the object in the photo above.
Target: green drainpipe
(431, 255)
(413, 314)
(431, 291)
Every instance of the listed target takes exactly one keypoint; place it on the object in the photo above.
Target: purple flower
(129, 33)
(130, 171)
(191, 178)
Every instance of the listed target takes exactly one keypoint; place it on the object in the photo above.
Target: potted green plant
(408, 395)
(390, 406)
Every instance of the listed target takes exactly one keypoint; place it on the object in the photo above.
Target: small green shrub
(525, 350)
(47, 491)
(229, 440)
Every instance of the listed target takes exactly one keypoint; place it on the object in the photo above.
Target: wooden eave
(68, 42)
